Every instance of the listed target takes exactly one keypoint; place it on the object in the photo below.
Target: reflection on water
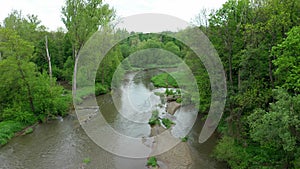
(63, 144)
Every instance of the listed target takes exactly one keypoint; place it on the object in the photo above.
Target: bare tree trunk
(75, 75)
(49, 59)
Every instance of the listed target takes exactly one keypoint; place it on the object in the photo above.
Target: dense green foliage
(164, 80)
(28, 94)
(258, 43)
(8, 129)
(288, 61)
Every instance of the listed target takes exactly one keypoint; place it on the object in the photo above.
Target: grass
(8, 130)
(167, 122)
(152, 161)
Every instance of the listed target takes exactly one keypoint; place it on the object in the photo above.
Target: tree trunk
(75, 75)
(49, 59)
(239, 80)
(230, 66)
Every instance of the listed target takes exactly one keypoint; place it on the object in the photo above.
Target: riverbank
(64, 142)
(8, 130)
(17, 121)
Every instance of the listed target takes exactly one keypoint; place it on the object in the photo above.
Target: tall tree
(82, 18)
(25, 93)
(288, 61)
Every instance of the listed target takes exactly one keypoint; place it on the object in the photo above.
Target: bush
(86, 160)
(169, 92)
(154, 120)
(185, 139)
(152, 161)
(164, 80)
(15, 113)
(167, 123)
(236, 156)
(179, 100)
(100, 89)
(49, 99)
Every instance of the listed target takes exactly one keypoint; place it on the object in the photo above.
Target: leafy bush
(179, 100)
(167, 122)
(169, 92)
(154, 120)
(100, 89)
(50, 99)
(15, 113)
(152, 161)
(185, 139)
(164, 80)
(235, 155)
(86, 160)
(178, 92)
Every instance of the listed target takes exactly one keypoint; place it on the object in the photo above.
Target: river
(63, 144)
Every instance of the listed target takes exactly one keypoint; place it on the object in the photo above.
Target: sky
(49, 11)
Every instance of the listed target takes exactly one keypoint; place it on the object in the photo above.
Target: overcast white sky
(49, 11)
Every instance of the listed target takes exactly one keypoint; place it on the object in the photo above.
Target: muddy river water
(63, 144)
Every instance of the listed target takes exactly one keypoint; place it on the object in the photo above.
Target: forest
(258, 42)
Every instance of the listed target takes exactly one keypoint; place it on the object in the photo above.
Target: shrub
(179, 100)
(154, 118)
(167, 122)
(169, 92)
(164, 80)
(185, 139)
(86, 160)
(100, 89)
(15, 113)
(152, 161)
